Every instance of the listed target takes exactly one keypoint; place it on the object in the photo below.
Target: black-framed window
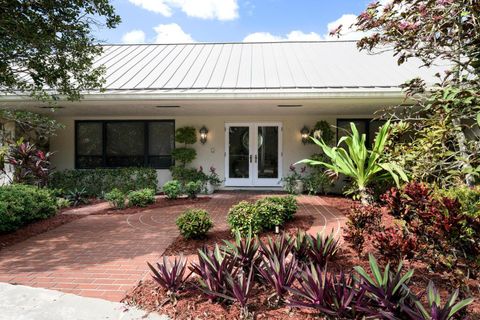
(368, 127)
(124, 143)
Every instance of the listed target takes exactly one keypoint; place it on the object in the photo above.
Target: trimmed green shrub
(186, 135)
(141, 198)
(193, 188)
(194, 223)
(184, 175)
(116, 198)
(97, 182)
(184, 155)
(22, 204)
(172, 189)
(63, 203)
(264, 214)
(289, 204)
(243, 218)
(270, 213)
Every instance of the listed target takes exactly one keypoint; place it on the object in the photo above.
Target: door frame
(253, 180)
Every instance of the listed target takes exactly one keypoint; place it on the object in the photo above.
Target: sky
(178, 21)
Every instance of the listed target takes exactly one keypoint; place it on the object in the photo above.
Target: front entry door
(253, 154)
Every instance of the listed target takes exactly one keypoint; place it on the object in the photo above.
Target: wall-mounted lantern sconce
(203, 134)
(305, 134)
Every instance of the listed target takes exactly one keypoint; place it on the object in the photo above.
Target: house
(252, 98)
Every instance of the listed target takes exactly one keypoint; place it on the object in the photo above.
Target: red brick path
(104, 256)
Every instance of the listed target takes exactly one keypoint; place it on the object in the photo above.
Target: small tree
(357, 162)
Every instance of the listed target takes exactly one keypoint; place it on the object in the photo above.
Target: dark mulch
(193, 305)
(187, 247)
(35, 228)
(159, 203)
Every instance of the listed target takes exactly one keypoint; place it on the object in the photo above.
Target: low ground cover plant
(194, 223)
(141, 198)
(22, 204)
(116, 198)
(193, 188)
(263, 215)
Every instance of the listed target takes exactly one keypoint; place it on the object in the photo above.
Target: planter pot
(209, 188)
(299, 187)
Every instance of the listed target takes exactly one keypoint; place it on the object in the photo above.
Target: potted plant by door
(293, 183)
(213, 181)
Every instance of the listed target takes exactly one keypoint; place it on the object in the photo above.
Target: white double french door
(253, 154)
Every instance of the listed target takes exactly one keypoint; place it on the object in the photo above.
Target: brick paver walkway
(104, 255)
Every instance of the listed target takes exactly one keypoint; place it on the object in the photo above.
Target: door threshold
(276, 189)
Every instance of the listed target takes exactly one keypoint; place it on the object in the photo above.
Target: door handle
(255, 158)
(250, 158)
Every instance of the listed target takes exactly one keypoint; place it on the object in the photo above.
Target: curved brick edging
(104, 256)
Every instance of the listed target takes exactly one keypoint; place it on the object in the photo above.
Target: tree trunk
(365, 197)
(462, 147)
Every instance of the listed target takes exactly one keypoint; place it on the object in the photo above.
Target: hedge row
(97, 182)
(23, 204)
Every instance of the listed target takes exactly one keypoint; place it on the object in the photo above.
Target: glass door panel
(239, 152)
(267, 152)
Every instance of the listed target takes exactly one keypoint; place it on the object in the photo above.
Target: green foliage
(322, 131)
(56, 59)
(291, 181)
(22, 204)
(242, 218)
(116, 198)
(469, 199)
(185, 175)
(97, 182)
(32, 127)
(76, 197)
(172, 189)
(265, 214)
(316, 182)
(63, 203)
(363, 166)
(186, 135)
(193, 188)
(194, 223)
(141, 198)
(184, 155)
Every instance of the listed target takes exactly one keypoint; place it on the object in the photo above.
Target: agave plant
(322, 248)
(336, 296)
(243, 250)
(435, 310)
(213, 267)
(278, 273)
(387, 290)
(170, 276)
(282, 245)
(301, 246)
(363, 166)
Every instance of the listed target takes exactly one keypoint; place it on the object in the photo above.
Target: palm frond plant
(363, 166)
(170, 276)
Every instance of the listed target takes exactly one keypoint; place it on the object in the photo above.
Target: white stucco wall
(212, 152)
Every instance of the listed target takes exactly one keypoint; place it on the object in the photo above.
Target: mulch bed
(193, 305)
(159, 203)
(35, 228)
(188, 247)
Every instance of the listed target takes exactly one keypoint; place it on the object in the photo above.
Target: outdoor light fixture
(203, 134)
(305, 133)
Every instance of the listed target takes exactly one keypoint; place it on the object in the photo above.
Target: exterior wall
(212, 152)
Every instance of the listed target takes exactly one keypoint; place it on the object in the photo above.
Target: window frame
(146, 154)
(367, 122)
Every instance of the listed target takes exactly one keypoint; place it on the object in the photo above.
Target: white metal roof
(252, 66)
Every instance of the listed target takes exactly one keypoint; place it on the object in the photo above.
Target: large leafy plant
(363, 166)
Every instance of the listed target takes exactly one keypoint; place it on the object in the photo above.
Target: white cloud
(171, 33)
(134, 36)
(295, 35)
(349, 31)
(204, 9)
